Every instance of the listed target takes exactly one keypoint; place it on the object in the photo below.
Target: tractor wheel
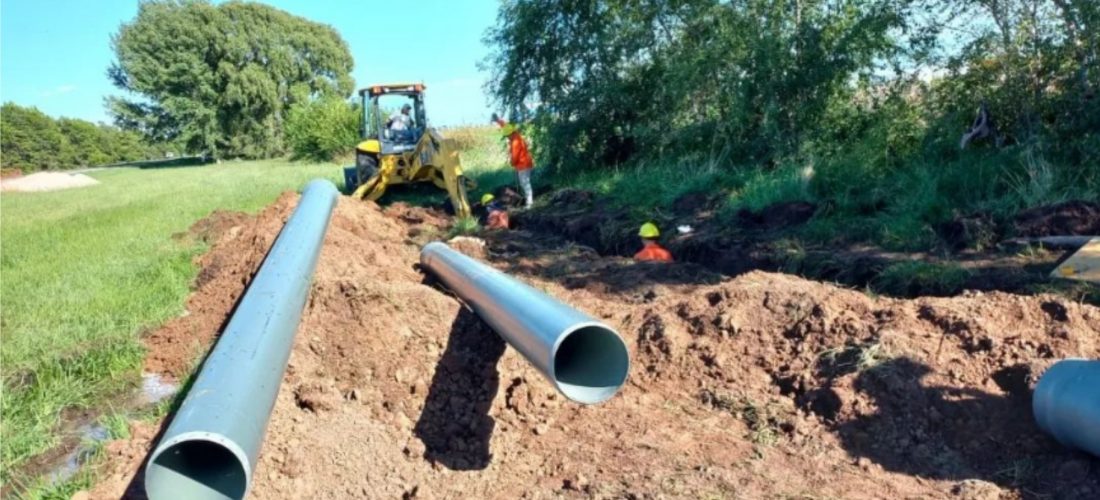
(365, 167)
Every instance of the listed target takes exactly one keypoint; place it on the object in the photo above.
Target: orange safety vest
(521, 157)
(653, 252)
(498, 219)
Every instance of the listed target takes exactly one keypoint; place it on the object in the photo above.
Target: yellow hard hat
(649, 230)
(486, 198)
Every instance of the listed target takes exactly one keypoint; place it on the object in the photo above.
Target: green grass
(921, 278)
(86, 271)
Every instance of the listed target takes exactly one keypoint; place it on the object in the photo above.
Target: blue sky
(54, 53)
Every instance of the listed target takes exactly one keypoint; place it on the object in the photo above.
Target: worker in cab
(494, 214)
(400, 123)
(651, 250)
(521, 157)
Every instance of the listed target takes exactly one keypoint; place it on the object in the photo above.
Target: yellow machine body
(387, 157)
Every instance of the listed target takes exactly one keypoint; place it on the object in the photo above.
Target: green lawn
(85, 271)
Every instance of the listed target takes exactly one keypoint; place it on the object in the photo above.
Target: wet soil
(754, 386)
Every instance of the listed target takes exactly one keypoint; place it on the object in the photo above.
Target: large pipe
(586, 360)
(210, 449)
(1066, 403)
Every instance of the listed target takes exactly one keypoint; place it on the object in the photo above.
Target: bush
(31, 140)
(322, 129)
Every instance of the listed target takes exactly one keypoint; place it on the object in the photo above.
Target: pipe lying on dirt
(210, 449)
(586, 360)
(1066, 404)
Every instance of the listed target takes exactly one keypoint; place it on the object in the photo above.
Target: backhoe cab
(398, 147)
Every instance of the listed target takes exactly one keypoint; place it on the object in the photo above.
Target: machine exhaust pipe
(1066, 403)
(210, 449)
(586, 360)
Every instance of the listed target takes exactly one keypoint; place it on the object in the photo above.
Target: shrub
(322, 129)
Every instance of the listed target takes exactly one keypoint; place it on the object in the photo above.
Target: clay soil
(760, 386)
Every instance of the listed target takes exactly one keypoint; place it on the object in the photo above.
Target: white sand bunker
(46, 181)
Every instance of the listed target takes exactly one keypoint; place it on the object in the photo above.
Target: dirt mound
(759, 386)
(1066, 218)
(239, 244)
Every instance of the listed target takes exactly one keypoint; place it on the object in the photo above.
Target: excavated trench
(760, 385)
(766, 240)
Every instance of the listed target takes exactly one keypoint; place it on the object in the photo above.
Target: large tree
(219, 79)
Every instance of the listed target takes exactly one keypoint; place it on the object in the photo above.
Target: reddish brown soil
(763, 385)
(1067, 218)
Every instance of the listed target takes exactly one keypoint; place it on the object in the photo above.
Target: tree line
(234, 80)
(770, 80)
(31, 140)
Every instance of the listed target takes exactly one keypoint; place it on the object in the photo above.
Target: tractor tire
(365, 168)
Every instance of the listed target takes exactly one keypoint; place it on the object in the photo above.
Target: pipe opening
(590, 364)
(196, 469)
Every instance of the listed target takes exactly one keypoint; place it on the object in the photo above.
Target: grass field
(86, 271)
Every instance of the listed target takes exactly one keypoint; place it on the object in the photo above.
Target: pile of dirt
(762, 385)
(46, 181)
(1074, 217)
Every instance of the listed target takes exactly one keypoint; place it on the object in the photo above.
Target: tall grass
(86, 271)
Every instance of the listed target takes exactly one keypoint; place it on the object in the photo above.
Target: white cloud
(59, 90)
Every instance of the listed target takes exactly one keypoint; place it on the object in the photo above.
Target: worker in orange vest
(521, 157)
(651, 250)
(495, 216)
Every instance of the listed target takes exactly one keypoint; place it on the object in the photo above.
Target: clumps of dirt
(239, 244)
(763, 385)
(777, 215)
(977, 230)
(1074, 217)
(213, 227)
(422, 224)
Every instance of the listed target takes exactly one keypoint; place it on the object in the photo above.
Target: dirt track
(763, 385)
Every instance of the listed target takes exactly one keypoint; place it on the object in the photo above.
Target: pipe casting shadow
(586, 360)
(210, 449)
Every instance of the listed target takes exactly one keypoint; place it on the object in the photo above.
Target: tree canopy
(31, 140)
(220, 79)
(761, 81)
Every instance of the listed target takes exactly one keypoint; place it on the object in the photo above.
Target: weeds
(916, 278)
(763, 420)
(852, 358)
(464, 226)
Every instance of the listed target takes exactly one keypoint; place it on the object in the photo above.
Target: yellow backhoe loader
(401, 149)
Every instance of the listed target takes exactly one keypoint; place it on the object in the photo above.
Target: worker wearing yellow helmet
(495, 215)
(651, 250)
(521, 157)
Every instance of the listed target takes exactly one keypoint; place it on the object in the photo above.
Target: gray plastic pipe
(586, 360)
(1066, 403)
(210, 449)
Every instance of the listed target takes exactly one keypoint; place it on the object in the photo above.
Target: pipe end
(197, 465)
(591, 363)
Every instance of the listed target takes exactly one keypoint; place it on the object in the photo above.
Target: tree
(29, 139)
(220, 78)
(670, 76)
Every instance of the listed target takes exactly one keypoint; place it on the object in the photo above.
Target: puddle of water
(90, 435)
(154, 388)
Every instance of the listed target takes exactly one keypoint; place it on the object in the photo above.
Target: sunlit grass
(84, 272)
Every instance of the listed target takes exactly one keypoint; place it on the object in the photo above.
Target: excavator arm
(442, 155)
